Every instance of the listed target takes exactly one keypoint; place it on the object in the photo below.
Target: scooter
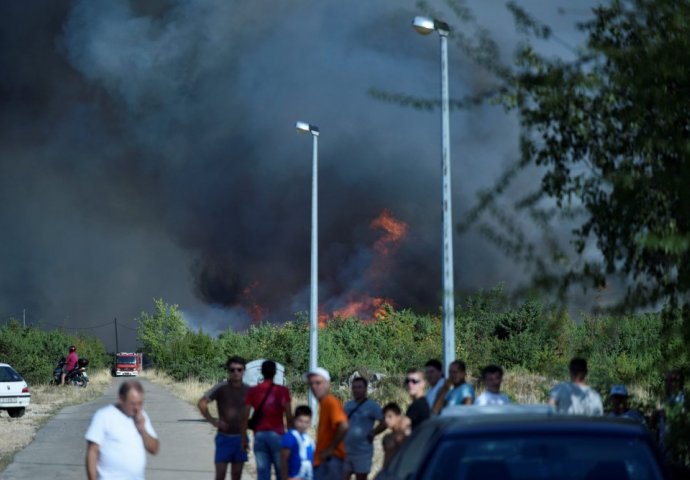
(77, 376)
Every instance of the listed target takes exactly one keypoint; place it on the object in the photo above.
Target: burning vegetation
(356, 301)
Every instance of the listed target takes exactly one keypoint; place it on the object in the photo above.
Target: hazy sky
(151, 152)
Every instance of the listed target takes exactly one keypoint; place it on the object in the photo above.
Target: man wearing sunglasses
(418, 411)
(229, 396)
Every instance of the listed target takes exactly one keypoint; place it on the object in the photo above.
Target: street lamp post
(425, 26)
(303, 127)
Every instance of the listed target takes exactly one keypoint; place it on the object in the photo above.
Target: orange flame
(371, 308)
(255, 311)
(394, 231)
(361, 305)
(323, 319)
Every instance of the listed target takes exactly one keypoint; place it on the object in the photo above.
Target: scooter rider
(70, 363)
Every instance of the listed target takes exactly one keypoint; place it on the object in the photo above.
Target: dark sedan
(527, 446)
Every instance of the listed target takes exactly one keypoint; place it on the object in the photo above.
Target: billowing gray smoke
(150, 151)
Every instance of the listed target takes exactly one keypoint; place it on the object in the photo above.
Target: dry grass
(190, 390)
(526, 388)
(46, 401)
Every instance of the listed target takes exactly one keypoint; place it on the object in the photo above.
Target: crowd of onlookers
(345, 434)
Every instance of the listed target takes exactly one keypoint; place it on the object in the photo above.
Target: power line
(93, 327)
(20, 315)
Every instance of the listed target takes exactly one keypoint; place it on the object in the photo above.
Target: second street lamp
(425, 26)
(304, 127)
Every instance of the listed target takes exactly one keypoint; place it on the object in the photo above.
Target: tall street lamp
(425, 26)
(304, 127)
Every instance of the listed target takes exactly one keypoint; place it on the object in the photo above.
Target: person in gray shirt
(362, 414)
(576, 397)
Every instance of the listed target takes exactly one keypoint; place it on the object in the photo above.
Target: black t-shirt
(418, 411)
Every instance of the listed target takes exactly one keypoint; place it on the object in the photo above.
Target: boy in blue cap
(619, 403)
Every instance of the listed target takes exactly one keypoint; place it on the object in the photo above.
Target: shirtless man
(229, 396)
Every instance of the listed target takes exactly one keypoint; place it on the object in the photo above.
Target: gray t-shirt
(361, 423)
(575, 399)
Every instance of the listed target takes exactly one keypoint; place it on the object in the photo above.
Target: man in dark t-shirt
(418, 411)
(229, 396)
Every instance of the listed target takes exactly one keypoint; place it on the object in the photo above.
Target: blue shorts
(229, 449)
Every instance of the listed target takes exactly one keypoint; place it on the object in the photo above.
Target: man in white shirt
(119, 437)
(576, 397)
(492, 376)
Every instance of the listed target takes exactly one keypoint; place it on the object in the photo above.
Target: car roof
(511, 408)
(5, 365)
(429, 433)
(535, 423)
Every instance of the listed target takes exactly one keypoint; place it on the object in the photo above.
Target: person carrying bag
(272, 413)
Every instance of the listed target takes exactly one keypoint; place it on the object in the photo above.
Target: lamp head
(426, 25)
(304, 127)
(423, 25)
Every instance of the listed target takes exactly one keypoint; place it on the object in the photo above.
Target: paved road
(58, 450)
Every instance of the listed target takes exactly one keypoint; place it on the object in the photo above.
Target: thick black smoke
(151, 151)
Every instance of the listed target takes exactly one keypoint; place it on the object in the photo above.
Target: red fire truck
(126, 364)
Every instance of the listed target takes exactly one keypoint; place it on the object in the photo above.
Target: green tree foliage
(611, 130)
(607, 130)
(195, 355)
(159, 331)
(527, 336)
(490, 331)
(34, 353)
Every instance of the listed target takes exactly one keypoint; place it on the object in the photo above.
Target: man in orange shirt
(330, 449)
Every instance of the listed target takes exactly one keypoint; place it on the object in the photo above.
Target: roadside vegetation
(531, 340)
(530, 337)
(34, 353)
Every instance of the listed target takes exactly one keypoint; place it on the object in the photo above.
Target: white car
(14, 392)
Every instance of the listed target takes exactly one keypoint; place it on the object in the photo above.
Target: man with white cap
(329, 455)
(619, 404)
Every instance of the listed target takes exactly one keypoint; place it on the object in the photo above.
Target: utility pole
(24, 318)
(117, 344)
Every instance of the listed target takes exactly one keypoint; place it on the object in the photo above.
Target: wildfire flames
(360, 304)
(356, 302)
(372, 308)
(394, 231)
(255, 311)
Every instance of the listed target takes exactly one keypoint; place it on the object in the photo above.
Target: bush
(34, 353)
(527, 336)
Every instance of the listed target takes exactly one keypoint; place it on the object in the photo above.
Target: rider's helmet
(72, 348)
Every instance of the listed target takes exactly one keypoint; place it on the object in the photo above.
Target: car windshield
(7, 374)
(130, 360)
(521, 457)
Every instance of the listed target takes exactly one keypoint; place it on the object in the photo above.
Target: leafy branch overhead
(608, 134)
(611, 131)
